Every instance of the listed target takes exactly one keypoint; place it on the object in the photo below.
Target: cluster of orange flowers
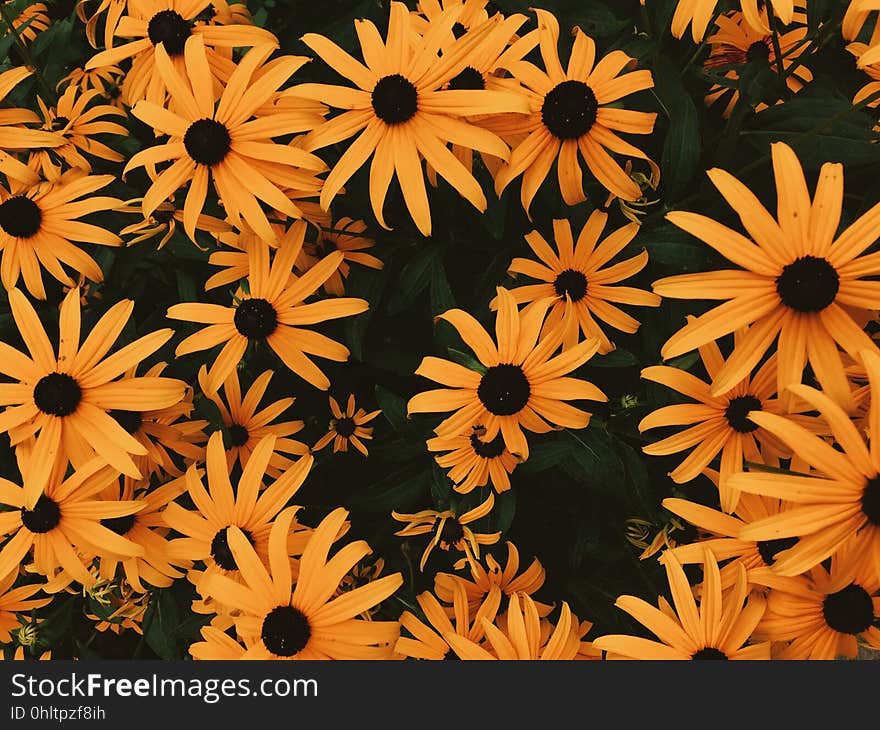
(122, 490)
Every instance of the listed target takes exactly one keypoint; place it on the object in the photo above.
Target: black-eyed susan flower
(278, 619)
(163, 222)
(824, 614)
(246, 424)
(520, 634)
(63, 530)
(719, 628)
(122, 607)
(147, 528)
(65, 399)
(402, 112)
(347, 427)
(520, 385)
(426, 640)
(31, 21)
(272, 311)
(17, 600)
(840, 502)
(473, 461)
(219, 144)
(451, 529)
(39, 229)
(737, 42)
(699, 13)
(168, 25)
(103, 79)
(77, 120)
(206, 530)
(572, 112)
(346, 235)
(716, 424)
(577, 276)
(799, 281)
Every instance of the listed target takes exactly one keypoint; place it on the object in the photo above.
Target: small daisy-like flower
(403, 111)
(698, 13)
(577, 276)
(473, 461)
(719, 628)
(573, 111)
(450, 529)
(165, 26)
(247, 426)
(66, 399)
(519, 385)
(15, 600)
(280, 619)
(347, 427)
(427, 641)
(348, 236)
(163, 221)
(65, 521)
(221, 143)
(31, 21)
(272, 311)
(103, 79)
(799, 281)
(39, 229)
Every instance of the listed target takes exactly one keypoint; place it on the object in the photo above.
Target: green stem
(26, 55)
(777, 48)
(703, 42)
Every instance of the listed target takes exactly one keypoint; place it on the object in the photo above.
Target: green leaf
(617, 358)
(504, 511)
(398, 491)
(441, 487)
(545, 455)
(441, 295)
(469, 361)
(593, 460)
(413, 279)
(393, 408)
(682, 147)
(160, 623)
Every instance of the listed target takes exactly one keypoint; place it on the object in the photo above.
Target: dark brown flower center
(571, 282)
(849, 611)
(758, 51)
(345, 427)
(286, 631)
(163, 215)
(57, 394)
(395, 99)
(769, 549)
(488, 449)
(808, 284)
(44, 517)
(120, 525)
(871, 501)
(222, 553)
(255, 318)
(20, 217)
(59, 123)
(738, 411)
(452, 532)
(569, 110)
(709, 653)
(131, 421)
(207, 142)
(504, 389)
(469, 78)
(170, 29)
(238, 435)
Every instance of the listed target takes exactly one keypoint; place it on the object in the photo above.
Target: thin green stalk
(26, 55)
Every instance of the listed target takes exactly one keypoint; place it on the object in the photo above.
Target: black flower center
(163, 215)
(569, 110)
(131, 421)
(345, 427)
(120, 525)
(758, 51)
(20, 217)
(769, 549)
(571, 282)
(808, 284)
(207, 141)
(395, 99)
(488, 449)
(470, 78)
(738, 410)
(221, 551)
(504, 389)
(170, 29)
(57, 394)
(44, 517)
(238, 435)
(255, 318)
(849, 611)
(871, 501)
(59, 123)
(452, 532)
(709, 653)
(286, 631)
